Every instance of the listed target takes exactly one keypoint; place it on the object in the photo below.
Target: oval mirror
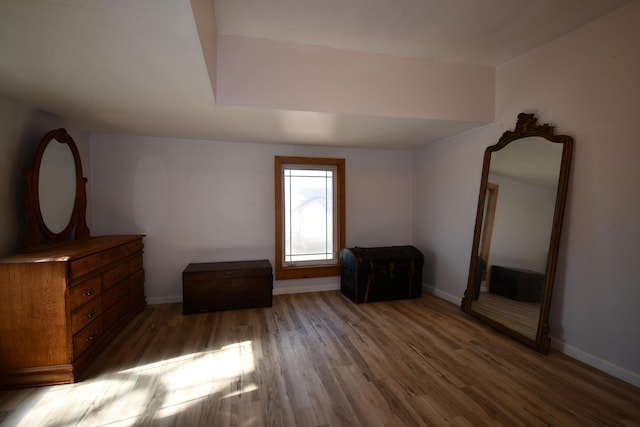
(519, 217)
(55, 197)
(57, 186)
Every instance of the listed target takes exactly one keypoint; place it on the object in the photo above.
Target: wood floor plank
(318, 359)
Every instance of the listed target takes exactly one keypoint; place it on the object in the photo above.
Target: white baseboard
(454, 299)
(595, 362)
(283, 290)
(164, 300)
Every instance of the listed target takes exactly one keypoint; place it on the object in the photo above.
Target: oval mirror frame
(38, 233)
(526, 126)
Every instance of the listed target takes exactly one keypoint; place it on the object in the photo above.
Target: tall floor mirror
(517, 231)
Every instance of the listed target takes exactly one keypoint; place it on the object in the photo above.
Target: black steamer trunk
(381, 273)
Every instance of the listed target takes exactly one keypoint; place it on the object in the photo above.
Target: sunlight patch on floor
(207, 374)
(152, 391)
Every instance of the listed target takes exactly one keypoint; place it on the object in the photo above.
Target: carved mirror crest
(517, 231)
(55, 195)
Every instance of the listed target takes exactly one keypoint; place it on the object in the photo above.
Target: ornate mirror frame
(38, 233)
(526, 127)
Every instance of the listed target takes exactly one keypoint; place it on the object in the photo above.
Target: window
(310, 212)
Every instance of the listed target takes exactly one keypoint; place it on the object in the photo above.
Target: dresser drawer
(85, 265)
(120, 252)
(135, 263)
(136, 280)
(82, 316)
(114, 275)
(87, 336)
(85, 291)
(116, 312)
(115, 293)
(136, 294)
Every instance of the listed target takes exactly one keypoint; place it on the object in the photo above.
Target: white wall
(586, 84)
(206, 201)
(22, 127)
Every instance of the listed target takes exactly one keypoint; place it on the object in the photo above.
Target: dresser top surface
(69, 250)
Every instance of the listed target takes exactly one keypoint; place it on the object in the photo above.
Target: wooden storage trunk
(516, 284)
(381, 273)
(226, 286)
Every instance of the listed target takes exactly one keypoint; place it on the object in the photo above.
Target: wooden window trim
(283, 272)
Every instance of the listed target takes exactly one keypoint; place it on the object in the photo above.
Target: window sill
(288, 273)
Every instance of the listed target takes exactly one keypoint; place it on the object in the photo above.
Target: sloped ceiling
(150, 67)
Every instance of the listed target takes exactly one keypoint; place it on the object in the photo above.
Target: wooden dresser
(59, 307)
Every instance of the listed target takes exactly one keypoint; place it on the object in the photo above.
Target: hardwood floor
(317, 359)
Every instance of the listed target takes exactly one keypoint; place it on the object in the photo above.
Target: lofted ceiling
(138, 67)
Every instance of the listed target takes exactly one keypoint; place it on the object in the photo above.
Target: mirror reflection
(512, 258)
(517, 231)
(57, 186)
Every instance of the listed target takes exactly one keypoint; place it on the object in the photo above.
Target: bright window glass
(309, 216)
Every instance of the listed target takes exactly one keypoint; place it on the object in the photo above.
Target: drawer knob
(89, 292)
(116, 276)
(90, 313)
(92, 337)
